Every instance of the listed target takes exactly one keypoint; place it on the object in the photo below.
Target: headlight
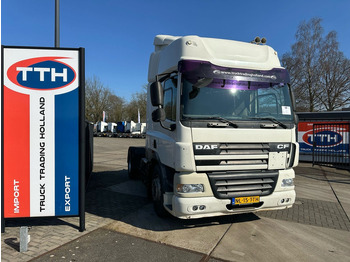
(190, 188)
(287, 182)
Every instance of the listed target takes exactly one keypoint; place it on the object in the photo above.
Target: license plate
(245, 200)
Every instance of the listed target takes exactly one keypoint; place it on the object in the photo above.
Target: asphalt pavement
(122, 226)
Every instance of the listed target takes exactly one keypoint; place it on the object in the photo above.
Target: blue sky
(118, 35)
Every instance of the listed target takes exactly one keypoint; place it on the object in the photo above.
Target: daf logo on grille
(206, 147)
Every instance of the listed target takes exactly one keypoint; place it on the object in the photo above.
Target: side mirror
(157, 96)
(296, 118)
(158, 115)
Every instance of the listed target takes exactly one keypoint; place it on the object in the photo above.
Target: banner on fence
(328, 137)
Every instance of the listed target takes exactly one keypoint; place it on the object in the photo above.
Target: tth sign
(42, 114)
(44, 73)
(328, 138)
(323, 138)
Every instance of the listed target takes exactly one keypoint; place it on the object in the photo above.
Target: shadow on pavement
(105, 179)
(39, 221)
(12, 242)
(104, 202)
(326, 174)
(136, 210)
(212, 221)
(345, 180)
(112, 195)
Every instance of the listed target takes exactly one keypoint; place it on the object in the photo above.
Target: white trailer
(221, 129)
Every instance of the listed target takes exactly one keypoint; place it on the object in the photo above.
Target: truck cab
(221, 129)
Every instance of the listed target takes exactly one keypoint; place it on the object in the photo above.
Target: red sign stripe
(16, 154)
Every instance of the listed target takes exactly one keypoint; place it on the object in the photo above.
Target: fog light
(287, 182)
(190, 188)
(284, 201)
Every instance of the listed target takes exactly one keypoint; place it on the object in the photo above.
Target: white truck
(221, 129)
(130, 126)
(140, 130)
(112, 127)
(102, 127)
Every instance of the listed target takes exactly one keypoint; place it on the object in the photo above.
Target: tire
(157, 193)
(134, 157)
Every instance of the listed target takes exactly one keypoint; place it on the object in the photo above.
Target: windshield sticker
(286, 110)
(219, 72)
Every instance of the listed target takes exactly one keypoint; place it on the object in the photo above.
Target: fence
(331, 144)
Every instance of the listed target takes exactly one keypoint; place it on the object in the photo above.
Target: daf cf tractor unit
(221, 129)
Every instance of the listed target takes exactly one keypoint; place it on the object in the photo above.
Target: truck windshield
(246, 95)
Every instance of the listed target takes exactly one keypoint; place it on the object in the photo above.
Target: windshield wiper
(224, 120)
(272, 119)
(214, 124)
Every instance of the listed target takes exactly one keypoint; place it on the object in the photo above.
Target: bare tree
(319, 72)
(302, 63)
(138, 103)
(115, 111)
(99, 98)
(96, 99)
(335, 75)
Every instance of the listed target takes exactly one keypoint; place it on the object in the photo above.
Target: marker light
(287, 182)
(190, 188)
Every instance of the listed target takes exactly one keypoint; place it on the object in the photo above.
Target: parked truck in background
(130, 126)
(121, 127)
(139, 130)
(131, 129)
(221, 129)
(112, 128)
(102, 127)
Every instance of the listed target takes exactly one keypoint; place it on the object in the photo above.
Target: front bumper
(182, 207)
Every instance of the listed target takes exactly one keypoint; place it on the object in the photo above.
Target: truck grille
(237, 184)
(231, 156)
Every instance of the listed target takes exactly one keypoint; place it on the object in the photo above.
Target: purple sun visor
(226, 77)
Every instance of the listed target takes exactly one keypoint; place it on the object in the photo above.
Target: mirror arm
(171, 128)
(162, 77)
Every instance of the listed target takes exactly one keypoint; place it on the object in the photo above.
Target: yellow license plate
(245, 200)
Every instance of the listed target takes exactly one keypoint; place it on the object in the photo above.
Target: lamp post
(57, 23)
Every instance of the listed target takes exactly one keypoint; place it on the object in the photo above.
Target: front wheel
(135, 155)
(157, 193)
